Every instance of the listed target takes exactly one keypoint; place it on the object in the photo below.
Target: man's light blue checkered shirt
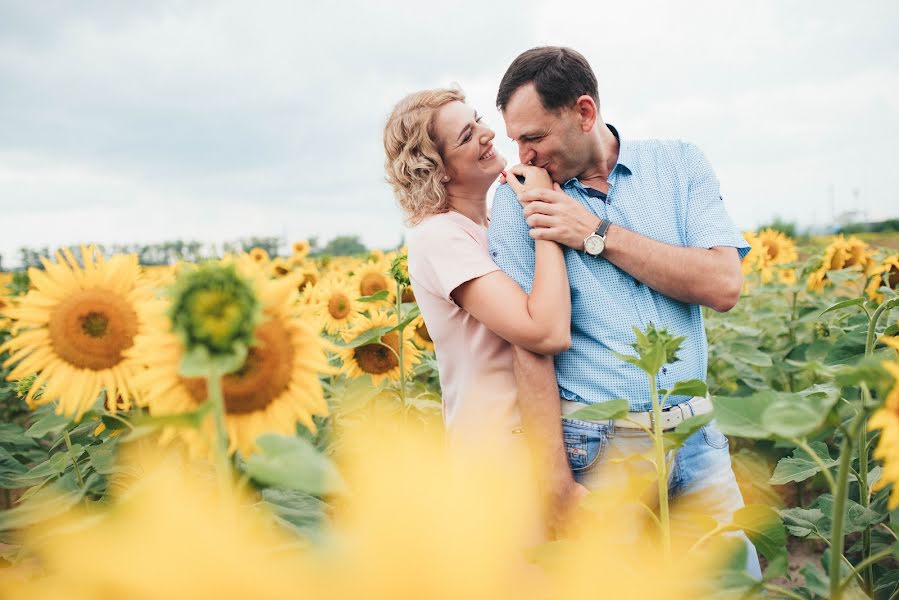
(665, 190)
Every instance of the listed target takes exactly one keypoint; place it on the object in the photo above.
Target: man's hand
(564, 496)
(554, 215)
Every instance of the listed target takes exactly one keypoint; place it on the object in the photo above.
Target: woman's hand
(535, 178)
(554, 215)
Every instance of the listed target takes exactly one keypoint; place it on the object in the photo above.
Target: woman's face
(466, 145)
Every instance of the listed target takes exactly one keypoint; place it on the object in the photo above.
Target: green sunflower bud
(214, 312)
(399, 269)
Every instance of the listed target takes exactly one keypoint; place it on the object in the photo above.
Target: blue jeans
(701, 479)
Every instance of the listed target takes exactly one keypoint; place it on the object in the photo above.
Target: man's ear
(587, 112)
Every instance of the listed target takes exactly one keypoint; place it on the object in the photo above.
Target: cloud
(270, 116)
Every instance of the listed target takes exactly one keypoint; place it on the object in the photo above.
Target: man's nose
(526, 155)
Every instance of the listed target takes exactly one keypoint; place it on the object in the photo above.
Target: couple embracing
(528, 304)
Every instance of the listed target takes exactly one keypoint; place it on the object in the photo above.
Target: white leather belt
(672, 416)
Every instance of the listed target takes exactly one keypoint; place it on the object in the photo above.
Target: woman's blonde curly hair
(414, 165)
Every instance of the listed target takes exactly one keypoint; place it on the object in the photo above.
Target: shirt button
(664, 370)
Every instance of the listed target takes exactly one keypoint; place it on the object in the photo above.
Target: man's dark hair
(560, 75)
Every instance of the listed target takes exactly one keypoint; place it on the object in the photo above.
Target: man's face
(551, 140)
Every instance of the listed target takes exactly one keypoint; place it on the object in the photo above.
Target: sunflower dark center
(90, 329)
(378, 359)
(264, 376)
(339, 306)
(372, 283)
(94, 324)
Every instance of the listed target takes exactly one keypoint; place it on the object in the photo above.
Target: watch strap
(603, 228)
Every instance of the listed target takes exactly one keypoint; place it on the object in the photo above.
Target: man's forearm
(538, 400)
(710, 277)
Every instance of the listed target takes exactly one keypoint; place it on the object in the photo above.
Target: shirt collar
(625, 158)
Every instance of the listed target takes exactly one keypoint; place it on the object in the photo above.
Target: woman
(441, 162)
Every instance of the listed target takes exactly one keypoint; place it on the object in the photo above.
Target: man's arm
(711, 277)
(538, 401)
(705, 271)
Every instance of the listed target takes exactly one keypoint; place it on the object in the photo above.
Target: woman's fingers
(513, 182)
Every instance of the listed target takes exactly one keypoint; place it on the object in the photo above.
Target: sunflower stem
(65, 435)
(658, 440)
(839, 506)
(220, 443)
(400, 344)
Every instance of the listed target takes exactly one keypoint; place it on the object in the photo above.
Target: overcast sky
(127, 122)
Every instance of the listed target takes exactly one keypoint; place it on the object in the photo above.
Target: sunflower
(842, 253)
(74, 328)
(373, 277)
(5, 304)
(259, 254)
(276, 387)
(886, 273)
(379, 359)
(420, 334)
(336, 304)
(886, 418)
(279, 267)
(300, 248)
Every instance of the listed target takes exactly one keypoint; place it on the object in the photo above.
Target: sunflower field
(271, 426)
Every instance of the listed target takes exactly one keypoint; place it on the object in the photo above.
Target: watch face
(594, 245)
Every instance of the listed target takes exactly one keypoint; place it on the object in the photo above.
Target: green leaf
(293, 463)
(376, 297)
(857, 517)
(869, 370)
(690, 387)
(198, 362)
(848, 348)
(763, 527)
(601, 411)
(103, 457)
(47, 503)
(11, 435)
(49, 423)
(802, 522)
(371, 336)
(801, 466)
(302, 512)
(676, 438)
(409, 317)
(816, 581)
(742, 415)
(750, 354)
(843, 304)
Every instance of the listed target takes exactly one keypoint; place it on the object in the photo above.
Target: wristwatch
(595, 243)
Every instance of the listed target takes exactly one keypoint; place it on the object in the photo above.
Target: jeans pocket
(713, 436)
(583, 444)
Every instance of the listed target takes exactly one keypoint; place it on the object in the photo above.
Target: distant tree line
(888, 226)
(169, 252)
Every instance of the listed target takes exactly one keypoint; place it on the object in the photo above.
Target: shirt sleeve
(443, 258)
(708, 224)
(510, 245)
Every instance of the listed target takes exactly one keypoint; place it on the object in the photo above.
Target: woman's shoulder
(440, 228)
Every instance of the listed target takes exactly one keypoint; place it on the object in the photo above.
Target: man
(647, 240)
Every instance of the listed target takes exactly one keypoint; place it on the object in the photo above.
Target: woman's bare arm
(539, 322)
